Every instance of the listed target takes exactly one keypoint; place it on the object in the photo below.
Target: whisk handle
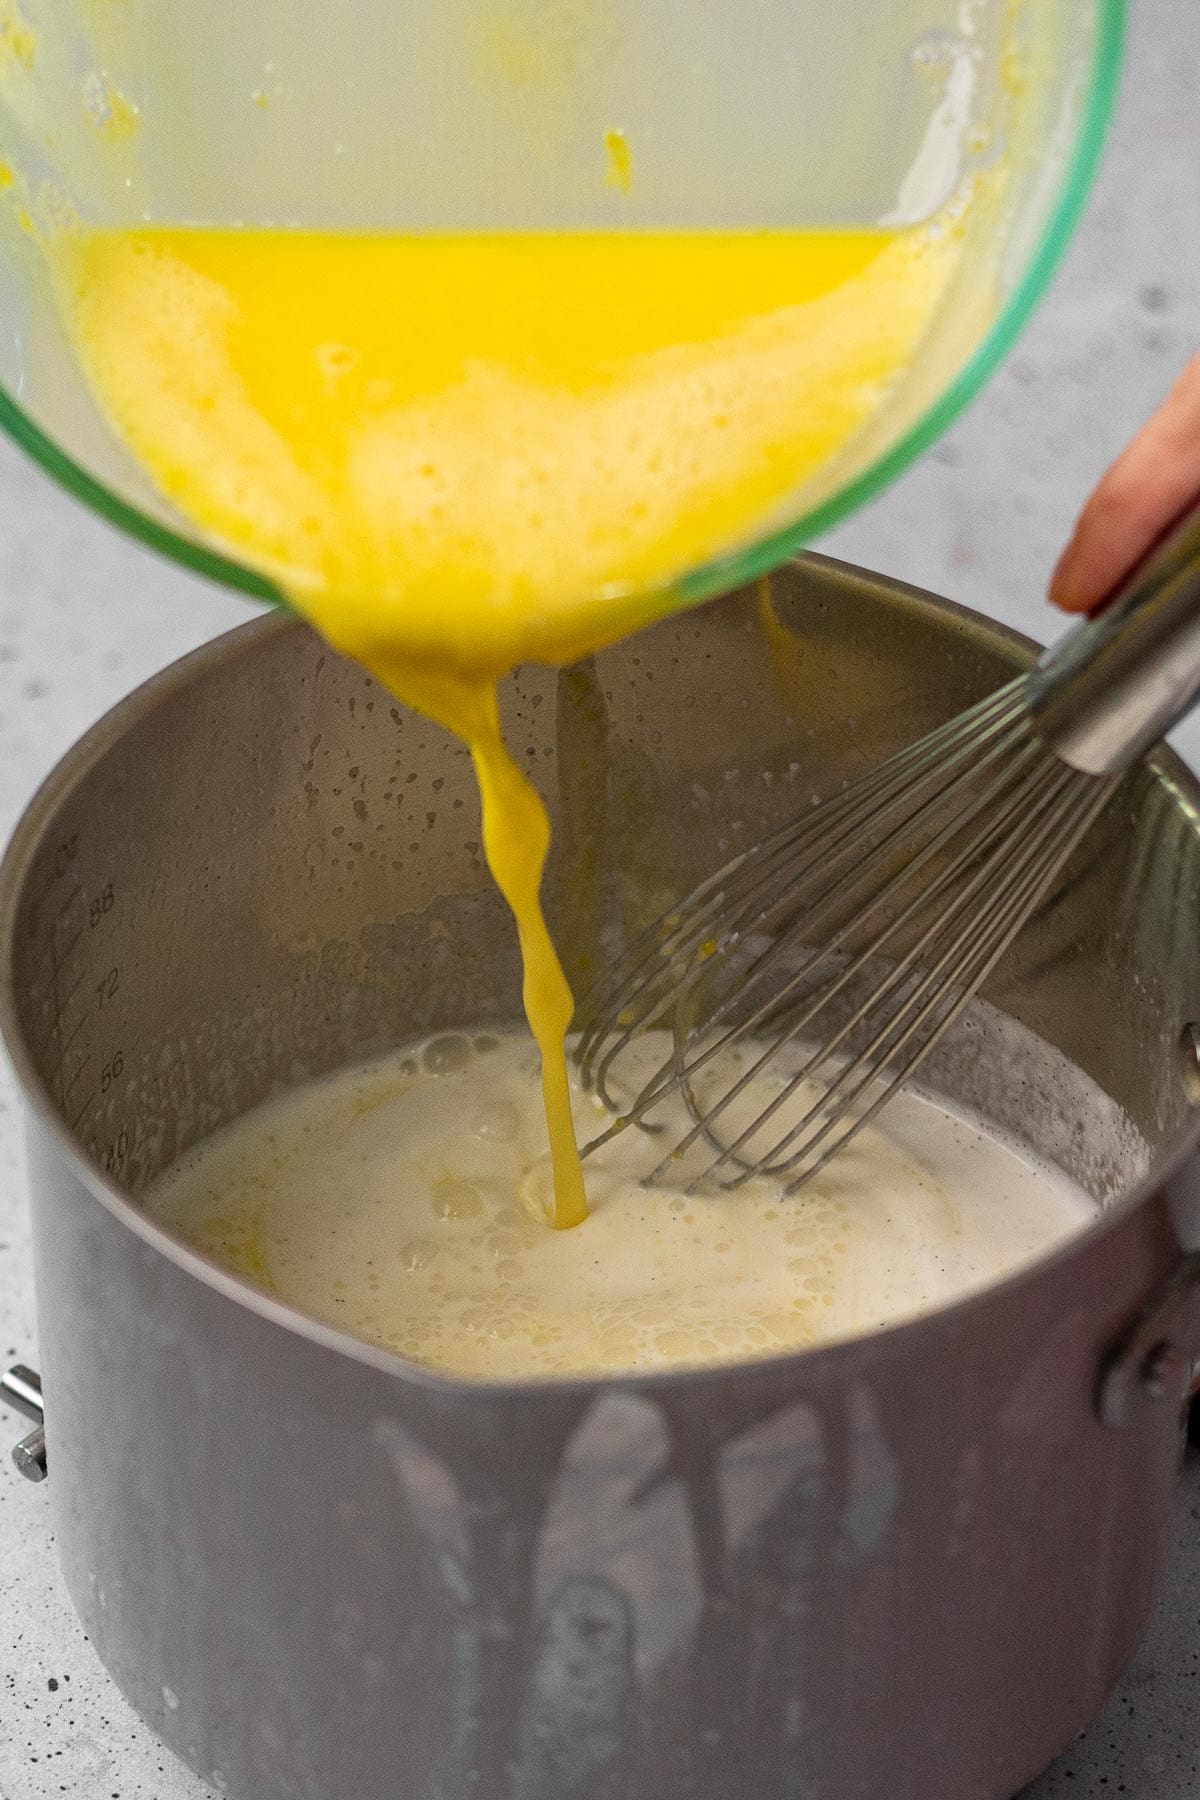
(1116, 684)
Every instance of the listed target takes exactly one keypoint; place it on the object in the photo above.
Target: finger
(1148, 486)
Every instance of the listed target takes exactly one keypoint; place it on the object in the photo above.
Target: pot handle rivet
(1189, 1047)
(1146, 1365)
(21, 1388)
(1164, 1370)
(30, 1455)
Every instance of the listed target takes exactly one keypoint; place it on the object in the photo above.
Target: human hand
(1145, 490)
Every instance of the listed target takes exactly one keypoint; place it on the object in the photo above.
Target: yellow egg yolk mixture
(458, 453)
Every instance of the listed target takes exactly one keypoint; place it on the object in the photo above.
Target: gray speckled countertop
(85, 615)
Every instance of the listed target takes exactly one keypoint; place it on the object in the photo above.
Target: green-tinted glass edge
(77, 481)
(766, 553)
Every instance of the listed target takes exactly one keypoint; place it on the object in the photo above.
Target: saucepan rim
(78, 763)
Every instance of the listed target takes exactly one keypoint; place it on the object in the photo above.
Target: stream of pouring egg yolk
(457, 453)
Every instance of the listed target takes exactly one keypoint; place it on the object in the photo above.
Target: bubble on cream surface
(402, 1201)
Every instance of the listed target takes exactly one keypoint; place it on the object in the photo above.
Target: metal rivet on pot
(21, 1388)
(30, 1455)
(1164, 1371)
(1189, 1061)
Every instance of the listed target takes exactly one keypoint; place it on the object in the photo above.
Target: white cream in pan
(404, 1201)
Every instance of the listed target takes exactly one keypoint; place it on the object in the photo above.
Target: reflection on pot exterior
(590, 1649)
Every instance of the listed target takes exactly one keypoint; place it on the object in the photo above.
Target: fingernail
(1060, 581)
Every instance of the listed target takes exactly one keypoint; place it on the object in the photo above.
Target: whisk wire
(950, 982)
(1035, 893)
(944, 850)
(641, 980)
(651, 945)
(1018, 810)
(808, 924)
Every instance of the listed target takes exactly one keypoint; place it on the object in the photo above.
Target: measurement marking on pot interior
(64, 856)
(101, 903)
(67, 1042)
(65, 954)
(74, 909)
(54, 952)
(108, 984)
(69, 902)
(79, 1068)
(58, 1014)
(116, 1152)
(72, 991)
(84, 1110)
(63, 1038)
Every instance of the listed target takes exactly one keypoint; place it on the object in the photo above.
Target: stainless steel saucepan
(906, 1567)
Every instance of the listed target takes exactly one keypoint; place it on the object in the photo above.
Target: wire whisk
(830, 960)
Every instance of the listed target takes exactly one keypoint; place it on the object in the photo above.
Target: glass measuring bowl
(498, 114)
